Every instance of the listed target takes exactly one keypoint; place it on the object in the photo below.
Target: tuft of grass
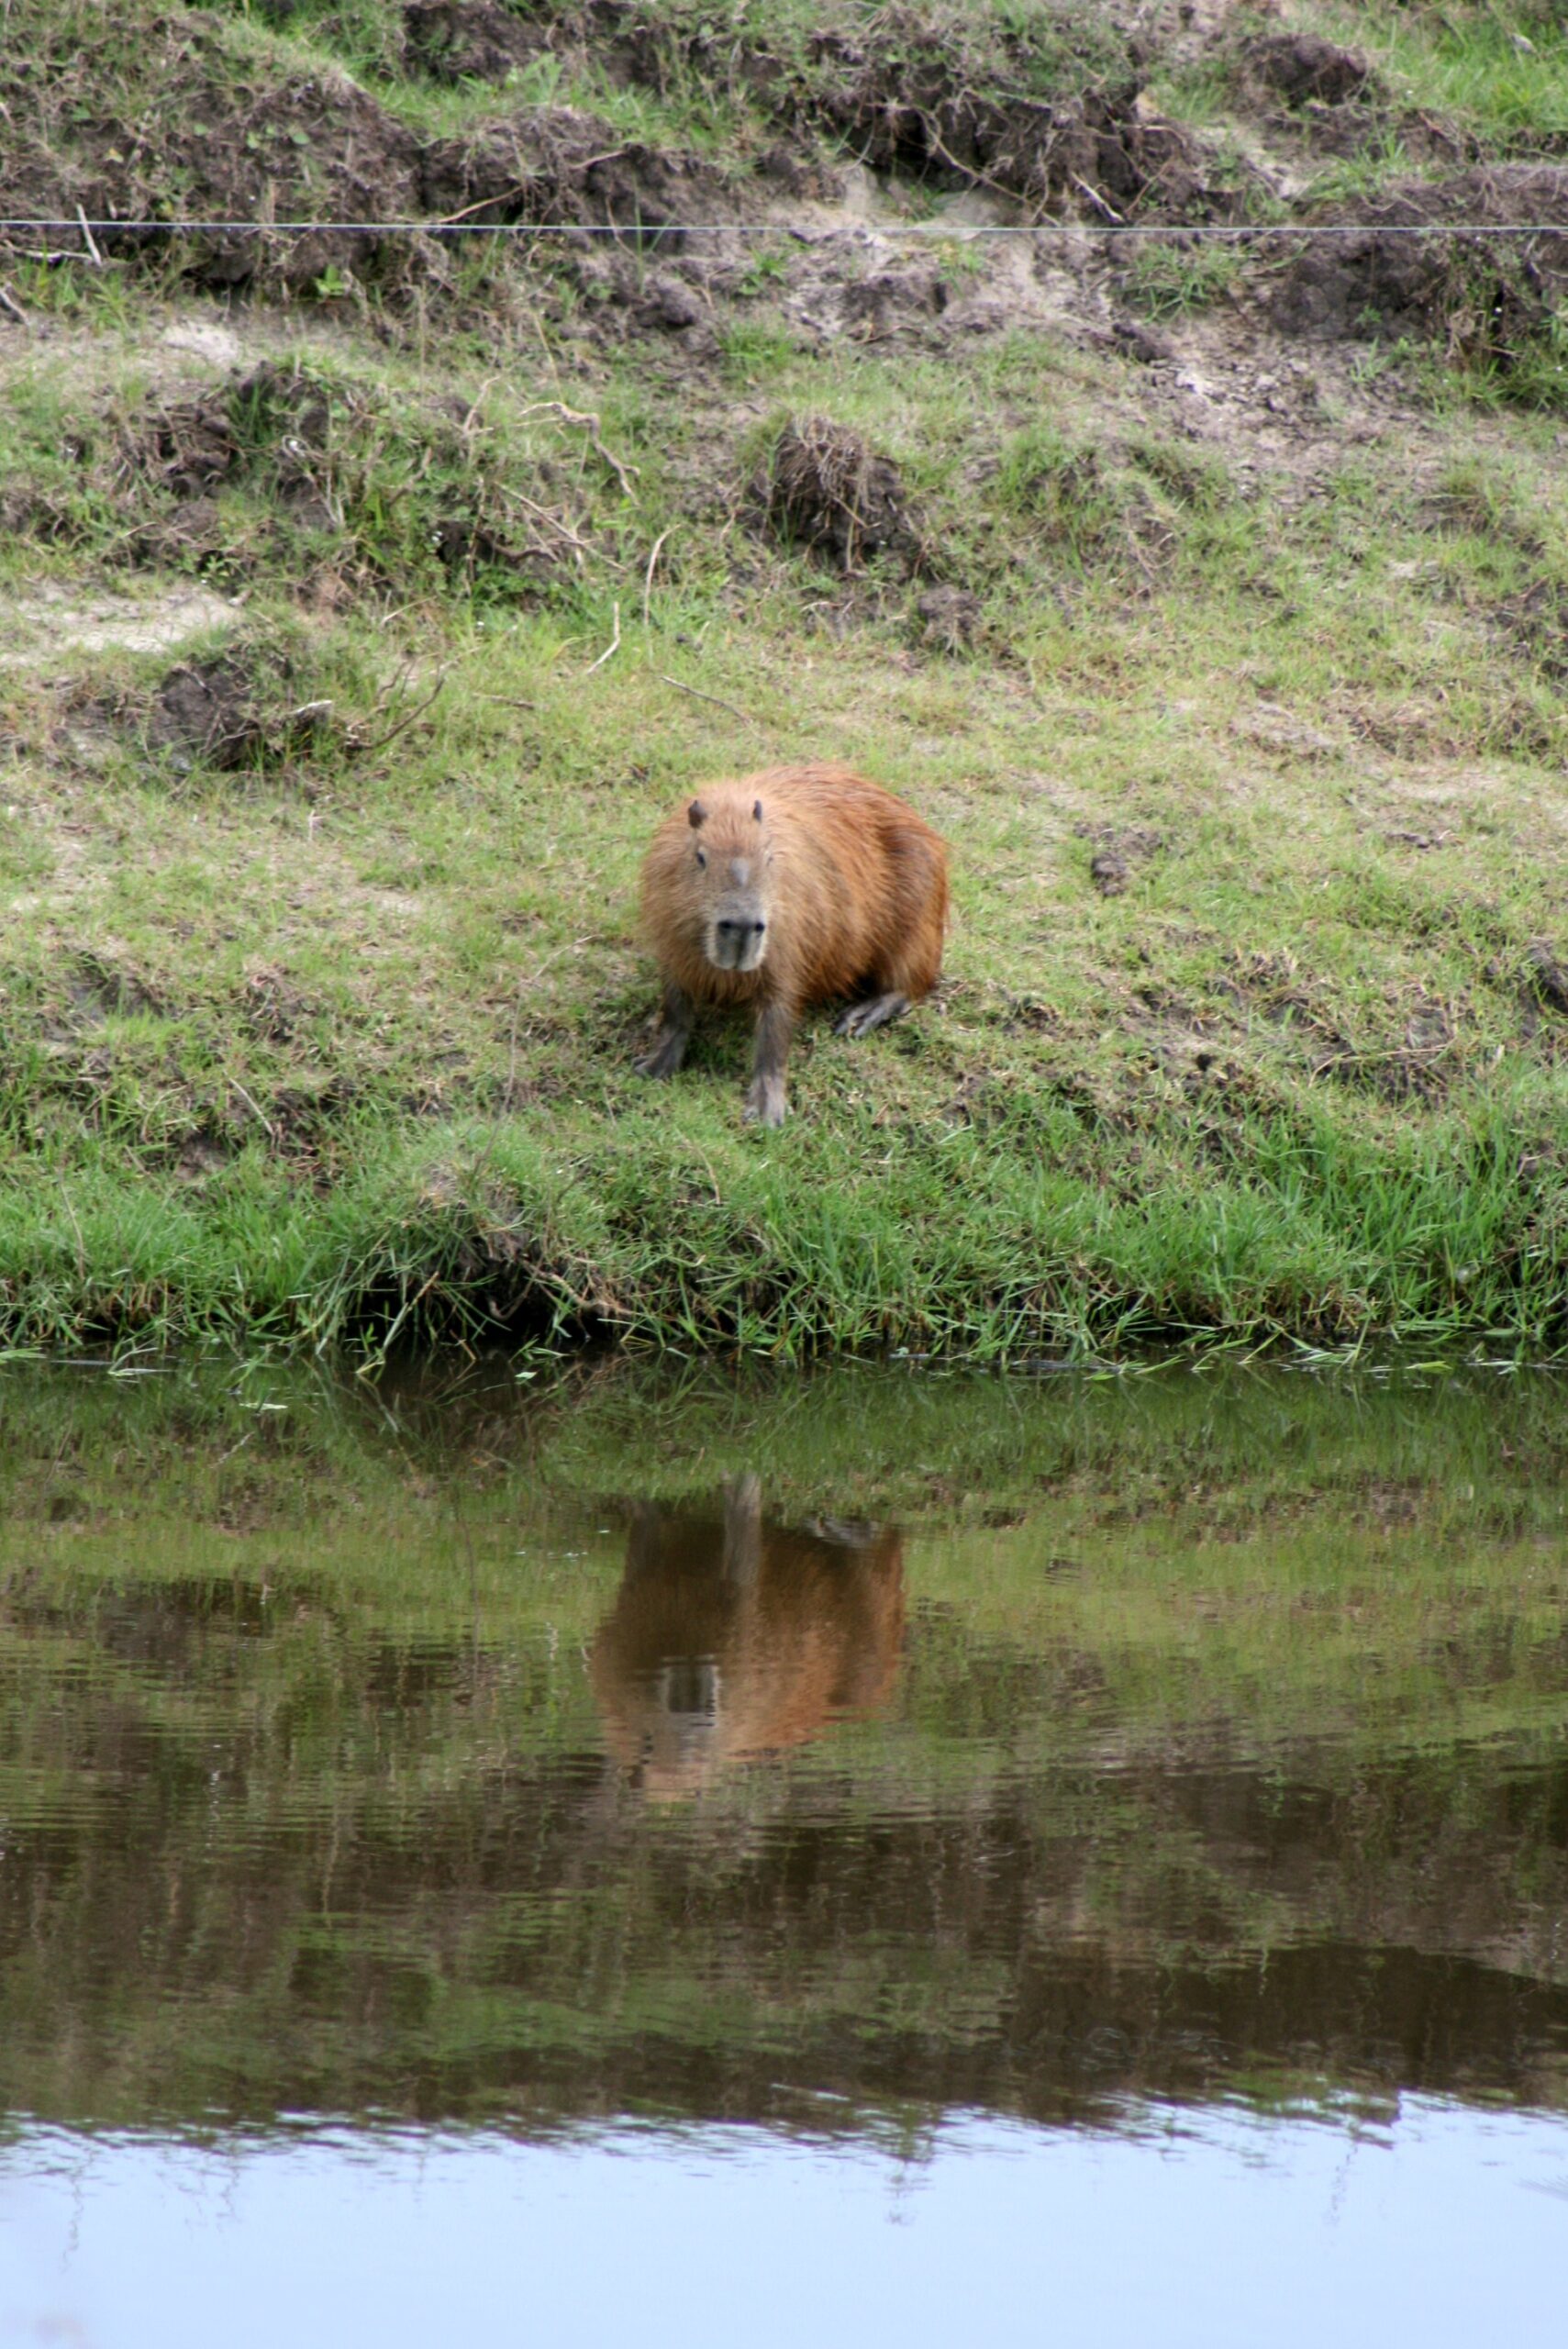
(1166, 280)
(1502, 75)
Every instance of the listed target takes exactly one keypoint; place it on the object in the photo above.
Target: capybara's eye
(701, 858)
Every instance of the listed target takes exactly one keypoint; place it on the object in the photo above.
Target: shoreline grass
(694, 1238)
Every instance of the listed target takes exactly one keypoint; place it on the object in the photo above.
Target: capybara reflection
(798, 886)
(732, 1638)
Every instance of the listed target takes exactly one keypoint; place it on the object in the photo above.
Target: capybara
(732, 1638)
(798, 886)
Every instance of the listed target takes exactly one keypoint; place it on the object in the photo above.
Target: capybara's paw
(766, 1103)
(664, 1059)
(862, 1017)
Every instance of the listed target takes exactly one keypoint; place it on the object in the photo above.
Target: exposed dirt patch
(234, 137)
(1545, 977)
(823, 489)
(1048, 113)
(1117, 854)
(556, 164)
(947, 619)
(273, 1007)
(97, 990)
(1536, 621)
(467, 40)
(1301, 70)
(209, 131)
(1107, 153)
(233, 712)
(1418, 1067)
(1482, 296)
(55, 621)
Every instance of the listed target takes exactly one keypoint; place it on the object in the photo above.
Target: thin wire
(651, 231)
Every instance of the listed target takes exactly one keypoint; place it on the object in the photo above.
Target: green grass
(1499, 72)
(1164, 282)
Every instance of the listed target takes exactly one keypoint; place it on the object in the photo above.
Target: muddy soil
(1303, 70)
(1483, 296)
(217, 145)
(1264, 377)
(467, 40)
(236, 711)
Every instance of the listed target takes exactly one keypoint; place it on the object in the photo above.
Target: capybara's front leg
(862, 1017)
(674, 1033)
(765, 1101)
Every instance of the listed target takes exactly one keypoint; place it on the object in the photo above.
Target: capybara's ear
(695, 813)
(757, 811)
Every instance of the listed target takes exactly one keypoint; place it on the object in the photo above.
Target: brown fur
(846, 887)
(738, 1638)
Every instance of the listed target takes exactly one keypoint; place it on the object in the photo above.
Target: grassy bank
(366, 602)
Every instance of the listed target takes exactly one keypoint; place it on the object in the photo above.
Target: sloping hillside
(1139, 436)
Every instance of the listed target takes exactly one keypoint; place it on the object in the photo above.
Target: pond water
(875, 1855)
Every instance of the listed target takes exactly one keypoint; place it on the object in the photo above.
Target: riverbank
(365, 609)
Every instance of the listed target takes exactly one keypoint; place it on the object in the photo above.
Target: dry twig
(1097, 200)
(697, 695)
(647, 580)
(622, 472)
(379, 742)
(257, 1112)
(579, 546)
(612, 647)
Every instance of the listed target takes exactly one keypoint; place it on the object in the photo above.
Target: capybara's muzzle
(736, 942)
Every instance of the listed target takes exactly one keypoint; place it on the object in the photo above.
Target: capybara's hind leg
(907, 965)
(674, 1033)
(911, 956)
(876, 1012)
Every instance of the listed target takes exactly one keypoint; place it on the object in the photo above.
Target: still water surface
(932, 1859)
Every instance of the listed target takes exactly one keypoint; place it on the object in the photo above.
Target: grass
(1165, 283)
(1500, 74)
(321, 1019)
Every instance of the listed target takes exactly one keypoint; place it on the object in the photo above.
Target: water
(875, 1856)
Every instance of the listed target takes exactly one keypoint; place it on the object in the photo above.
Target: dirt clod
(1483, 297)
(904, 102)
(1301, 69)
(220, 712)
(1141, 342)
(668, 306)
(556, 164)
(467, 40)
(823, 489)
(1545, 977)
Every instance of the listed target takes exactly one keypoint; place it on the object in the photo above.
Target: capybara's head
(732, 875)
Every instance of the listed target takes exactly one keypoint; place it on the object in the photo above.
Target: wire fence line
(649, 231)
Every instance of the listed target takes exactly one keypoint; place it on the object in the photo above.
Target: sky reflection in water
(1448, 2229)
